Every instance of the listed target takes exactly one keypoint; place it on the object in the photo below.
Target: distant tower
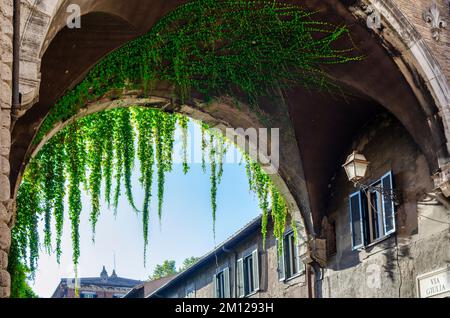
(104, 274)
(114, 274)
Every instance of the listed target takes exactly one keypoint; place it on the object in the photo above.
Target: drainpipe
(16, 62)
(228, 251)
(313, 272)
(308, 281)
(318, 275)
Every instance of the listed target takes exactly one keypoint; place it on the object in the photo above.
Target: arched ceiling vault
(324, 125)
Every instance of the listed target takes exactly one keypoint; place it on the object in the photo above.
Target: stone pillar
(6, 59)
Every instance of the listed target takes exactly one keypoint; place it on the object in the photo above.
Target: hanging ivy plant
(216, 48)
(184, 121)
(79, 153)
(244, 49)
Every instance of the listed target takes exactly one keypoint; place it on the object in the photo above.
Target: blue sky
(186, 227)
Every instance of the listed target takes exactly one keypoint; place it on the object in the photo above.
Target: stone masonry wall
(413, 11)
(6, 58)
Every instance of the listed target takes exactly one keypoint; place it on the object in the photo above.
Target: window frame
(243, 270)
(292, 257)
(364, 213)
(93, 294)
(287, 257)
(226, 292)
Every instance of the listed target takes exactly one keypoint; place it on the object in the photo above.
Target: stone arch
(419, 81)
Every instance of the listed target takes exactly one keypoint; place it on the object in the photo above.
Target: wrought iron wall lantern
(356, 168)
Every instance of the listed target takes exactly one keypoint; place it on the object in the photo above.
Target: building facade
(374, 243)
(384, 244)
(103, 286)
(244, 266)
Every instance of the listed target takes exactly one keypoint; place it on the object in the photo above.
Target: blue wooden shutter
(216, 285)
(255, 257)
(356, 220)
(226, 284)
(240, 278)
(388, 203)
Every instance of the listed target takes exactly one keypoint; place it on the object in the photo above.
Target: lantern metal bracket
(392, 194)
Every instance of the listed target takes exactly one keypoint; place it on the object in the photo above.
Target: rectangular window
(289, 264)
(222, 284)
(371, 212)
(88, 295)
(292, 256)
(248, 274)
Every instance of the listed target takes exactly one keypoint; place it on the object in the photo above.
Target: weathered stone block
(5, 142)
(6, 8)
(5, 118)
(5, 214)
(5, 42)
(5, 72)
(5, 279)
(6, 56)
(4, 165)
(5, 292)
(6, 25)
(4, 188)
(3, 260)
(5, 94)
(5, 237)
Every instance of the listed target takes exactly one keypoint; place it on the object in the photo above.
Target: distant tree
(188, 262)
(169, 268)
(20, 287)
(165, 269)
